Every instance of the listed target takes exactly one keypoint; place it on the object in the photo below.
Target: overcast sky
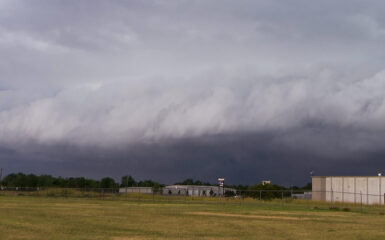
(246, 90)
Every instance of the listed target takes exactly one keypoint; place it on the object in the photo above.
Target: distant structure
(264, 182)
(182, 190)
(148, 190)
(193, 190)
(221, 184)
(305, 195)
(352, 189)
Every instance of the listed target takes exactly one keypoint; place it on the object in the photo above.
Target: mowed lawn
(69, 218)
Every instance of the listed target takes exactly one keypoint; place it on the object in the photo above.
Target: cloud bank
(297, 79)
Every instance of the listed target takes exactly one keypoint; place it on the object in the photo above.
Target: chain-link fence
(295, 199)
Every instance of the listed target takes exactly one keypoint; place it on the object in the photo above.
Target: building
(352, 189)
(305, 195)
(147, 190)
(182, 190)
(264, 182)
(193, 190)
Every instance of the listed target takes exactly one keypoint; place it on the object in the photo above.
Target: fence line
(327, 196)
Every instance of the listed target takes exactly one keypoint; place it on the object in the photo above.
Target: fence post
(361, 200)
(241, 198)
(282, 198)
(260, 197)
(185, 195)
(139, 194)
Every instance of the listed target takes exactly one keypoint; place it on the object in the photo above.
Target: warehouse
(183, 190)
(147, 190)
(193, 190)
(352, 189)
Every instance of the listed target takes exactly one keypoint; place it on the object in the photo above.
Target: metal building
(352, 189)
(147, 190)
(193, 190)
(183, 190)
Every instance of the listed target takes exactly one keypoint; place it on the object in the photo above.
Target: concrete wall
(383, 189)
(369, 190)
(361, 189)
(349, 189)
(318, 188)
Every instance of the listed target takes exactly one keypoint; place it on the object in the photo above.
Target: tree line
(31, 180)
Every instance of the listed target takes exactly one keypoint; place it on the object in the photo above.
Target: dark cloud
(175, 89)
(286, 157)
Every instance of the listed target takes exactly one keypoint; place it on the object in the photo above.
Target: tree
(191, 181)
(128, 181)
(211, 192)
(267, 191)
(229, 193)
(46, 181)
(107, 182)
(308, 186)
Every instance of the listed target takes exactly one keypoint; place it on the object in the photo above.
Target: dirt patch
(307, 214)
(130, 238)
(247, 216)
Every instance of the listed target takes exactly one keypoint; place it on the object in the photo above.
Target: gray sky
(167, 90)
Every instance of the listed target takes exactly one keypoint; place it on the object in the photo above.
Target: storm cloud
(174, 89)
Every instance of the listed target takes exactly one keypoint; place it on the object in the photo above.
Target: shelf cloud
(170, 89)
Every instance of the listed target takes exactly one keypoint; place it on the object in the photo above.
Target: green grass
(120, 218)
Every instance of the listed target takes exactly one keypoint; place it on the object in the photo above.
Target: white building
(147, 190)
(182, 190)
(193, 190)
(353, 189)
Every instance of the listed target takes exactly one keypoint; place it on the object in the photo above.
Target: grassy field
(26, 217)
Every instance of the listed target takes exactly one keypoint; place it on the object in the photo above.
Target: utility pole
(1, 178)
(126, 186)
